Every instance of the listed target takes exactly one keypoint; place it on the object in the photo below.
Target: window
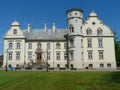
(65, 45)
(100, 43)
(29, 55)
(48, 45)
(72, 55)
(90, 55)
(39, 45)
(71, 43)
(18, 45)
(82, 55)
(72, 66)
(65, 65)
(58, 45)
(91, 65)
(101, 55)
(58, 65)
(30, 45)
(10, 56)
(89, 43)
(58, 55)
(71, 28)
(81, 43)
(15, 31)
(89, 31)
(109, 65)
(101, 65)
(17, 56)
(65, 56)
(99, 31)
(10, 45)
(48, 56)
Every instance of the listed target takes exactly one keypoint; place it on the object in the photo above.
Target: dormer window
(88, 31)
(39, 45)
(58, 45)
(99, 31)
(15, 31)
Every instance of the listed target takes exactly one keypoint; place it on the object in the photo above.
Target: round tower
(75, 39)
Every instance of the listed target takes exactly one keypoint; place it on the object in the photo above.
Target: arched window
(18, 45)
(101, 65)
(39, 45)
(48, 45)
(90, 65)
(88, 31)
(71, 29)
(58, 45)
(99, 31)
(10, 45)
(109, 65)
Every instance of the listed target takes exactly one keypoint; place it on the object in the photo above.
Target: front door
(39, 57)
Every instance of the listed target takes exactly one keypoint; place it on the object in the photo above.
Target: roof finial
(29, 28)
(54, 27)
(45, 27)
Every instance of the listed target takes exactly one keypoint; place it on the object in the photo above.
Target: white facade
(88, 44)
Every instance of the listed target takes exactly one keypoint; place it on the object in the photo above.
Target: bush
(87, 67)
(0, 64)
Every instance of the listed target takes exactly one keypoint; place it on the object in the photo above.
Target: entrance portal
(39, 57)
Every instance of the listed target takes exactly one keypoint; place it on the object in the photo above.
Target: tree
(117, 52)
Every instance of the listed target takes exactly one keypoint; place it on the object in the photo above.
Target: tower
(75, 50)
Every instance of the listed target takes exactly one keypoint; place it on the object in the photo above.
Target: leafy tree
(117, 52)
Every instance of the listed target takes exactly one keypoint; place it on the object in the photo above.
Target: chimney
(29, 28)
(45, 27)
(54, 27)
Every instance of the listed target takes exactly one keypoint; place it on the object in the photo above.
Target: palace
(83, 44)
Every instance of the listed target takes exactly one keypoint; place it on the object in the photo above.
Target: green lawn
(18, 80)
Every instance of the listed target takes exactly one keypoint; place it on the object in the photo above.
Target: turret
(75, 50)
(74, 19)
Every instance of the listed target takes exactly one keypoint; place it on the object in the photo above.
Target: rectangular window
(48, 45)
(18, 46)
(58, 65)
(10, 46)
(65, 45)
(48, 56)
(81, 43)
(82, 55)
(10, 56)
(58, 55)
(71, 43)
(65, 56)
(30, 45)
(29, 55)
(90, 56)
(72, 56)
(101, 55)
(100, 44)
(17, 56)
(89, 43)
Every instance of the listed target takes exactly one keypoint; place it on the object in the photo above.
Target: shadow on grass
(115, 77)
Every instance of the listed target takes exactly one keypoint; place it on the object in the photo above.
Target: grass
(21, 80)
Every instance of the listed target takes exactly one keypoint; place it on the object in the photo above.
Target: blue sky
(38, 12)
